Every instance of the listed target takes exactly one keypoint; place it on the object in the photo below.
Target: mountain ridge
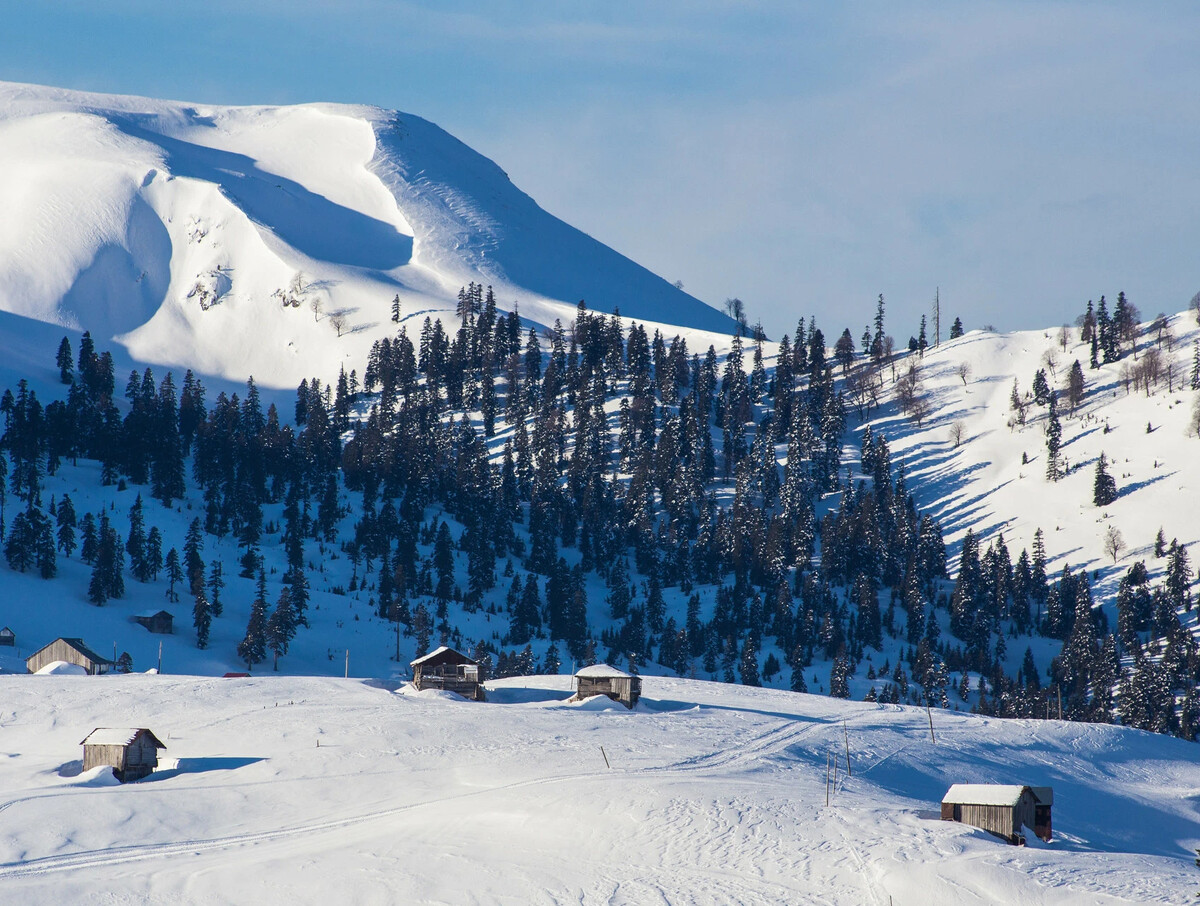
(140, 219)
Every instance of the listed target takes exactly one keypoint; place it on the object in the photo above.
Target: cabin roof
(80, 647)
(984, 794)
(443, 655)
(6, 631)
(1043, 794)
(599, 671)
(118, 736)
(150, 614)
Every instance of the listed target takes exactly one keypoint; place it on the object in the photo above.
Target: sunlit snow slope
(307, 790)
(182, 229)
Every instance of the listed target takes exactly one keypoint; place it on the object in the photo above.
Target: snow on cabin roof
(147, 614)
(117, 736)
(597, 671)
(441, 652)
(984, 794)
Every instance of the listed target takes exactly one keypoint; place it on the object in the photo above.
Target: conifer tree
(281, 627)
(174, 574)
(66, 518)
(1053, 442)
(216, 582)
(1104, 487)
(201, 619)
(748, 667)
(253, 647)
(66, 368)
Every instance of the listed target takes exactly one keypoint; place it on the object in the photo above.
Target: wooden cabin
(601, 679)
(8, 637)
(131, 752)
(159, 621)
(1000, 809)
(73, 651)
(447, 669)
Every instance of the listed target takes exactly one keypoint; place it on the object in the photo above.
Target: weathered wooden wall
(58, 650)
(95, 756)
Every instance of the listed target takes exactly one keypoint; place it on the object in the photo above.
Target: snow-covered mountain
(272, 240)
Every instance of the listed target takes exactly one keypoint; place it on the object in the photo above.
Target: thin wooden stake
(929, 711)
(826, 780)
(606, 764)
(846, 730)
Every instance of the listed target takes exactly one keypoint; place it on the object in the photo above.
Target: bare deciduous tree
(964, 371)
(338, 320)
(1050, 360)
(1114, 542)
(1064, 337)
(957, 433)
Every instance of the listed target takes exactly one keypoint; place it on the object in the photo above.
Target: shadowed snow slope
(323, 790)
(177, 228)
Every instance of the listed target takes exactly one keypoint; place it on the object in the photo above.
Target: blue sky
(1022, 156)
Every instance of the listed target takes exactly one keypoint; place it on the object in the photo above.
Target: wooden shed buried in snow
(1001, 809)
(72, 651)
(449, 670)
(159, 621)
(601, 679)
(131, 752)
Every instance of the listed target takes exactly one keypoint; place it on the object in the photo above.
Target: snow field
(716, 794)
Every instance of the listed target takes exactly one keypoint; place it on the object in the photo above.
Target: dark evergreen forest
(481, 466)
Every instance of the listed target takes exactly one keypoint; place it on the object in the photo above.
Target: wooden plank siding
(68, 650)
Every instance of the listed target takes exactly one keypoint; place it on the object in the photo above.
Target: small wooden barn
(8, 637)
(73, 651)
(1000, 809)
(449, 670)
(159, 621)
(601, 679)
(131, 752)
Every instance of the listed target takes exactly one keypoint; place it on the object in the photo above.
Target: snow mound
(411, 690)
(101, 776)
(61, 668)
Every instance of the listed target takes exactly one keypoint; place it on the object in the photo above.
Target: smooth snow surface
(311, 790)
(272, 240)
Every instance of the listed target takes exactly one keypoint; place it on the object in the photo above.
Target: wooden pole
(929, 712)
(347, 663)
(826, 780)
(160, 656)
(846, 730)
(1058, 689)
(606, 764)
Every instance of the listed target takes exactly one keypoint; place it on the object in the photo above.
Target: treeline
(483, 467)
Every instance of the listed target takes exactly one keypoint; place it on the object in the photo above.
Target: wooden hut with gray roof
(601, 679)
(72, 651)
(449, 670)
(1001, 809)
(131, 752)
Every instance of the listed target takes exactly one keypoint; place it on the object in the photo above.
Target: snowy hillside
(272, 240)
(1147, 433)
(311, 790)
